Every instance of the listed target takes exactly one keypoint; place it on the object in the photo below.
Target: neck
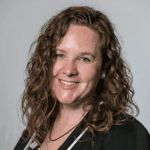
(69, 115)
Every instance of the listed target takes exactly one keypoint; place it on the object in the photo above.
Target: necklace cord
(62, 135)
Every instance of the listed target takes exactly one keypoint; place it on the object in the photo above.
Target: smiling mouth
(68, 83)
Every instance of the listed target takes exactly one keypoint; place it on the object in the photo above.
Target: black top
(130, 136)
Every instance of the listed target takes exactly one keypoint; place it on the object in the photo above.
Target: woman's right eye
(59, 55)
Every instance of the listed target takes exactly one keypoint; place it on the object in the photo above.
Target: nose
(70, 69)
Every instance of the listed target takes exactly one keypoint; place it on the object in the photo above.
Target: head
(100, 79)
(56, 32)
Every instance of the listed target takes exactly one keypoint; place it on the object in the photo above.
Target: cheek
(56, 68)
(90, 73)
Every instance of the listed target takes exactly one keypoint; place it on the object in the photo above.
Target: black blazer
(130, 136)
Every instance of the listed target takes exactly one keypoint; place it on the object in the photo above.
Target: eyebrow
(82, 53)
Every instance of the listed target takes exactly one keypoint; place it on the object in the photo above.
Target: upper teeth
(68, 83)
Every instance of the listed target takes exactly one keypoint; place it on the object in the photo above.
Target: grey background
(20, 22)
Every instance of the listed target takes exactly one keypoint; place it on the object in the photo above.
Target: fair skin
(79, 60)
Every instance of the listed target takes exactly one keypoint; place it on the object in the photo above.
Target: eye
(59, 55)
(85, 59)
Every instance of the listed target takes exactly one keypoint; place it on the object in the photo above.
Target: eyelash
(87, 60)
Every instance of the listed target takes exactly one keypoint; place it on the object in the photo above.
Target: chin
(66, 100)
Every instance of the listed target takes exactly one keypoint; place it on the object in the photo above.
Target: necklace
(57, 138)
(62, 135)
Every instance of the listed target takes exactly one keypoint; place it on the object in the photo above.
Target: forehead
(80, 37)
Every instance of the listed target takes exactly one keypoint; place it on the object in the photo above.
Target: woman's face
(77, 69)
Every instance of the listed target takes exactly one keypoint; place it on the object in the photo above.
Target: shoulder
(131, 126)
(132, 134)
(22, 143)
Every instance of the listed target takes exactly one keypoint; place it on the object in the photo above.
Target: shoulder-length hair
(114, 93)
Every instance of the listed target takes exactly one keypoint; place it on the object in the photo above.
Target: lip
(69, 87)
(67, 81)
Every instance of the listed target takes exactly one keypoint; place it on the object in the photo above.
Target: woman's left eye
(85, 59)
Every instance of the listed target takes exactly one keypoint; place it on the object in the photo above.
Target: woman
(78, 92)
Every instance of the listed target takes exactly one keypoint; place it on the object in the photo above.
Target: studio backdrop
(20, 22)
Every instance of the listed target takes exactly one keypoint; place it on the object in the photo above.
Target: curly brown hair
(114, 93)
